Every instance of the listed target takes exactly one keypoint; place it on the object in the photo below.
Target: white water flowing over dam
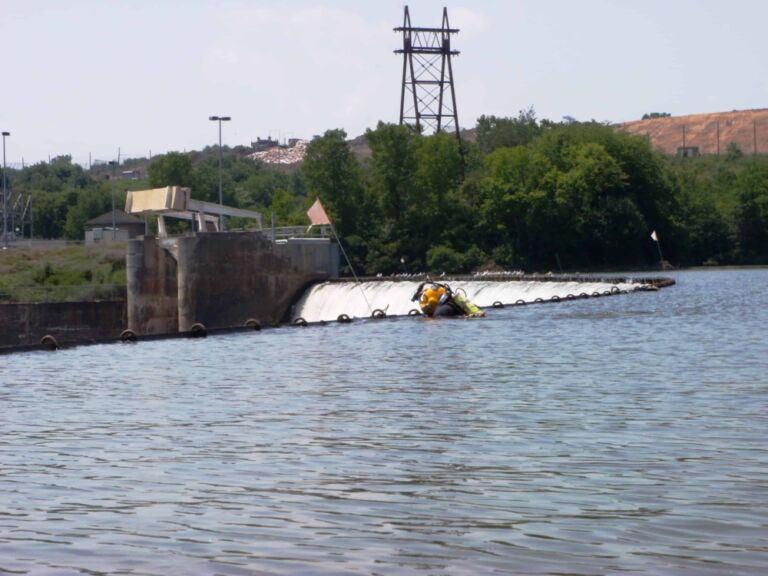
(329, 300)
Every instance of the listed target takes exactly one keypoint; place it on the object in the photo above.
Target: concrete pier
(221, 280)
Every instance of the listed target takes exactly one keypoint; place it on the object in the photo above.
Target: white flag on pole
(654, 236)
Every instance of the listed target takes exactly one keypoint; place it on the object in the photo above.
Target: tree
(172, 169)
(494, 132)
(733, 152)
(656, 115)
(392, 171)
(90, 203)
(332, 174)
(437, 177)
(752, 214)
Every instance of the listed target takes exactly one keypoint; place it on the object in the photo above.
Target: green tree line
(523, 194)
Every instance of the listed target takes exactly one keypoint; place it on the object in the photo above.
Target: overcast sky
(92, 76)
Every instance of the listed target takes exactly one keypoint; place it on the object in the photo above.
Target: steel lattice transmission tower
(428, 97)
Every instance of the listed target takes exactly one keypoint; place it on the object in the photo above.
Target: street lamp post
(220, 119)
(113, 163)
(5, 199)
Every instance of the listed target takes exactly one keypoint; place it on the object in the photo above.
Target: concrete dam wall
(218, 280)
(221, 280)
(25, 324)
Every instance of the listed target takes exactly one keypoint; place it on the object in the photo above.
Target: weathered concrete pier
(214, 280)
(220, 280)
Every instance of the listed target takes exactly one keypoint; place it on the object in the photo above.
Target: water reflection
(597, 436)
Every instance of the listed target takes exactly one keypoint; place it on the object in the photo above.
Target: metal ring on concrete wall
(378, 313)
(252, 323)
(555, 299)
(521, 302)
(571, 297)
(128, 335)
(498, 304)
(49, 342)
(413, 312)
(299, 322)
(343, 318)
(198, 330)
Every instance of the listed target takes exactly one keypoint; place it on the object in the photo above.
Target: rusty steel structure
(428, 95)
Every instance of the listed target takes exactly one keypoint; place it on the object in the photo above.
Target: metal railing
(282, 232)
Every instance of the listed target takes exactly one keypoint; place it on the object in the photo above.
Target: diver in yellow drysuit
(431, 298)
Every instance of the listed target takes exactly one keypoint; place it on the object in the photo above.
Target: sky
(98, 78)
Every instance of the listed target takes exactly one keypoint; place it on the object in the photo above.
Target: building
(688, 151)
(132, 175)
(99, 229)
(265, 144)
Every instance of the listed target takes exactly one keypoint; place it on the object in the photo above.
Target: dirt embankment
(748, 129)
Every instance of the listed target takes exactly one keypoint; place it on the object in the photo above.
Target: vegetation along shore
(515, 193)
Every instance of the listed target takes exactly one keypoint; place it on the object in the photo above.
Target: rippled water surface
(600, 436)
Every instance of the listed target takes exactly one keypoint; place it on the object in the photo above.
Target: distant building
(260, 145)
(131, 175)
(99, 229)
(687, 151)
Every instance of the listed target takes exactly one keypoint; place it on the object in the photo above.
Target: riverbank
(55, 271)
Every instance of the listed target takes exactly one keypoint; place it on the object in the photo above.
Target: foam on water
(327, 301)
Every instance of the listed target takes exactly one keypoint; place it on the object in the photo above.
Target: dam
(327, 301)
(207, 280)
(200, 282)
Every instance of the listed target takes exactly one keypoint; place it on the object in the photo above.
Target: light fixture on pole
(5, 198)
(113, 163)
(220, 119)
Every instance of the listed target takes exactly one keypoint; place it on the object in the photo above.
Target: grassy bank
(62, 273)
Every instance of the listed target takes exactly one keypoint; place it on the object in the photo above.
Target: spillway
(327, 301)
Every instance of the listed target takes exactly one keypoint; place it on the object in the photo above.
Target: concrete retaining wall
(26, 324)
(152, 285)
(220, 280)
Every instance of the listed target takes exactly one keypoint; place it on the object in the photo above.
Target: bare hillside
(701, 130)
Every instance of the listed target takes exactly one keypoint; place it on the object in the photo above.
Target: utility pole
(112, 182)
(718, 137)
(220, 119)
(754, 137)
(5, 198)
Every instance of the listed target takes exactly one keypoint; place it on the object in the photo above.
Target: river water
(601, 436)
